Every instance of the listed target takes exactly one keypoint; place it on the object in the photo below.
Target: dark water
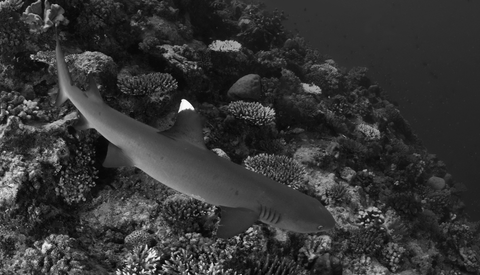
(425, 54)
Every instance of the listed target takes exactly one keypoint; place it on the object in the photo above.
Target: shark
(179, 159)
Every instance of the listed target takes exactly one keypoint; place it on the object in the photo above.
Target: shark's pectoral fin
(116, 158)
(81, 123)
(92, 93)
(235, 221)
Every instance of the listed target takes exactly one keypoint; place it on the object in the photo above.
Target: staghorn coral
(282, 169)
(253, 113)
(142, 260)
(274, 265)
(155, 85)
(185, 214)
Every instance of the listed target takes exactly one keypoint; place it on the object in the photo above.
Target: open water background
(424, 53)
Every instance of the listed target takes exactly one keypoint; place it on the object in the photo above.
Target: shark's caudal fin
(64, 80)
(66, 88)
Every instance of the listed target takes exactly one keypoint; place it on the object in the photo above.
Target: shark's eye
(320, 227)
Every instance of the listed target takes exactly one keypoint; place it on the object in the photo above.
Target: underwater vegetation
(269, 102)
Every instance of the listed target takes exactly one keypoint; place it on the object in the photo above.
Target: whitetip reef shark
(179, 159)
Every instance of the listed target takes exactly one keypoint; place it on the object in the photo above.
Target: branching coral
(156, 85)
(393, 255)
(367, 240)
(185, 214)
(183, 262)
(314, 247)
(261, 31)
(142, 260)
(279, 168)
(14, 104)
(372, 216)
(252, 113)
(57, 254)
(274, 265)
(338, 193)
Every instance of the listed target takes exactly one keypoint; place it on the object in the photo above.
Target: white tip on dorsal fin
(188, 126)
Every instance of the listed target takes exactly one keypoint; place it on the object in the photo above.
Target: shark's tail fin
(63, 74)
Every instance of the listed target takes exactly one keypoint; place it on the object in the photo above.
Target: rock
(247, 87)
(436, 183)
(449, 179)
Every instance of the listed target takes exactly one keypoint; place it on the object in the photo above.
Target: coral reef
(282, 169)
(296, 117)
(253, 113)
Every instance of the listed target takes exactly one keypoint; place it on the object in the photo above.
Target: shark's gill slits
(269, 215)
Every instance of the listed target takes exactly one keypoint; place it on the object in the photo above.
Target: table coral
(150, 84)
(282, 169)
(252, 113)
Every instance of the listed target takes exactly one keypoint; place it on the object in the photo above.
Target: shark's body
(179, 159)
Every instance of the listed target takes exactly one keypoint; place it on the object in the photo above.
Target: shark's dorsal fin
(235, 221)
(188, 126)
(116, 158)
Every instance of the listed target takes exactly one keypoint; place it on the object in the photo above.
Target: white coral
(225, 46)
(370, 132)
(311, 89)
